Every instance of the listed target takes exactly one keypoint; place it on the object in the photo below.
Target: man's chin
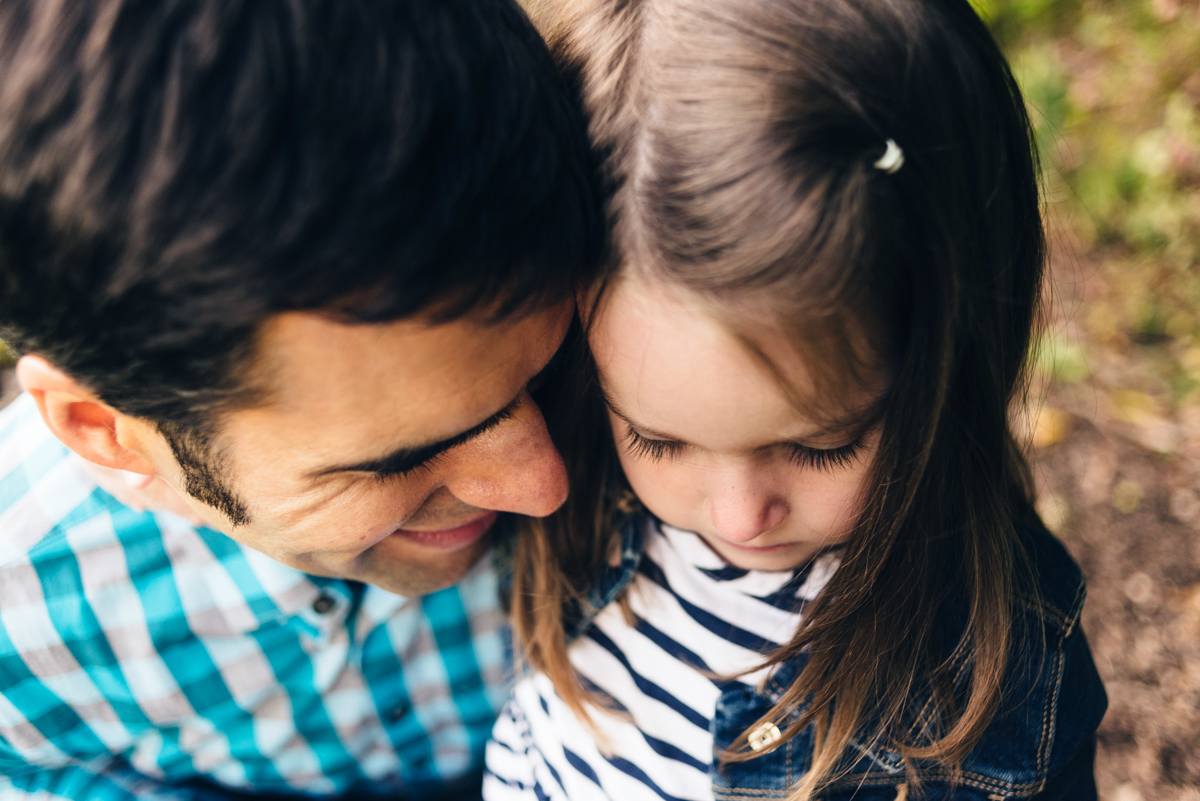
(397, 566)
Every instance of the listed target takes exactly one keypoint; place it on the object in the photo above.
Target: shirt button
(398, 712)
(323, 604)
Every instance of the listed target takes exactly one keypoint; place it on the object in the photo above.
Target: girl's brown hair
(740, 138)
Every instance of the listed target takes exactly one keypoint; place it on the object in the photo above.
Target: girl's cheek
(645, 476)
(835, 504)
(664, 487)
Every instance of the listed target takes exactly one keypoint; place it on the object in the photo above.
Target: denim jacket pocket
(770, 774)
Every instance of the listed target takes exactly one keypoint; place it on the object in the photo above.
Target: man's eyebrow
(404, 460)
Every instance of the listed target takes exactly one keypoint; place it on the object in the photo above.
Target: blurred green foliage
(6, 356)
(1061, 359)
(1113, 87)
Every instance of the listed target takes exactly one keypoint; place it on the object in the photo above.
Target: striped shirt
(696, 621)
(138, 651)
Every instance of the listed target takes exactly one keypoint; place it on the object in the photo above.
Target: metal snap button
(764, 736)
(323, 604)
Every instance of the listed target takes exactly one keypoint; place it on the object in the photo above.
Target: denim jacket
(1039, 744)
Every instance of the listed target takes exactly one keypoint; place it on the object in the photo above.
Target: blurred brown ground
(1117, 482)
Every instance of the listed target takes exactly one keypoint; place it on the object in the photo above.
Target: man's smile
(450, 539)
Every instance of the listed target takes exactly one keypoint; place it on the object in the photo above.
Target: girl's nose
(739, 511)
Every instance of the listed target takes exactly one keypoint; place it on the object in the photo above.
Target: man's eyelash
(417, 462)
(387, 475)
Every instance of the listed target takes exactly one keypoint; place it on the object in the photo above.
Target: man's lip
(450, 539)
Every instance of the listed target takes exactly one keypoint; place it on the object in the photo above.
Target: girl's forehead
(675, 370)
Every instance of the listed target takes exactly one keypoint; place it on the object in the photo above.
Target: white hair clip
(892, 158)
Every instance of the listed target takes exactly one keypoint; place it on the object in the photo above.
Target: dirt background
(1118, 478)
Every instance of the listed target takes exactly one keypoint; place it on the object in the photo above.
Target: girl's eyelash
(802, 455)
(653, 449)
(825, 458)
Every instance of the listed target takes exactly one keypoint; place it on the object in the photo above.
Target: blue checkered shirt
(138, 652)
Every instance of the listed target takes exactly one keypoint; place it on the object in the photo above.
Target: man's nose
(513, 468)
(741, 506)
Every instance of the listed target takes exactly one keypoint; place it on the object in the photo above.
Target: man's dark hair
(174, 172)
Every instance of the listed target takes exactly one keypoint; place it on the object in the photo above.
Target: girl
(831, 582)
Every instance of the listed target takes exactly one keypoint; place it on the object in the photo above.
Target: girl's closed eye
(802, 455)
(826, 458)
(649, 448)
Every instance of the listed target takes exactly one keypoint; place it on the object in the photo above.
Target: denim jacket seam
(761, 792)
(978, 781)
(1038, 608)
(1054, 685)
(1067, 620)
(791, 748)
(1076, 609)
(926, 711)
(1050, 715)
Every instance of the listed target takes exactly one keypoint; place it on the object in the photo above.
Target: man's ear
(83, 422)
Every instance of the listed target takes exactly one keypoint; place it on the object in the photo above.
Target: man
(295, 264)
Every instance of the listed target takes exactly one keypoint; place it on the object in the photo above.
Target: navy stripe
(630, 769)
(581, 765)
(554, 772)
(607, 701)
(668, 751)
(675, 649)
(722, 628)
(727, 573)
(785, 597)
(644, 684)
(503, 745)
(787, 602)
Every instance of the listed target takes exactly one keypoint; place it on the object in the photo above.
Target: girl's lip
(451, 539)
(759, 548)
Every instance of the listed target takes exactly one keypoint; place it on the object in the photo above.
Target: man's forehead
(305, 357)
(357, 392)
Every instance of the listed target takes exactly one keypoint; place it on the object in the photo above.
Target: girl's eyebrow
(615, 409)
